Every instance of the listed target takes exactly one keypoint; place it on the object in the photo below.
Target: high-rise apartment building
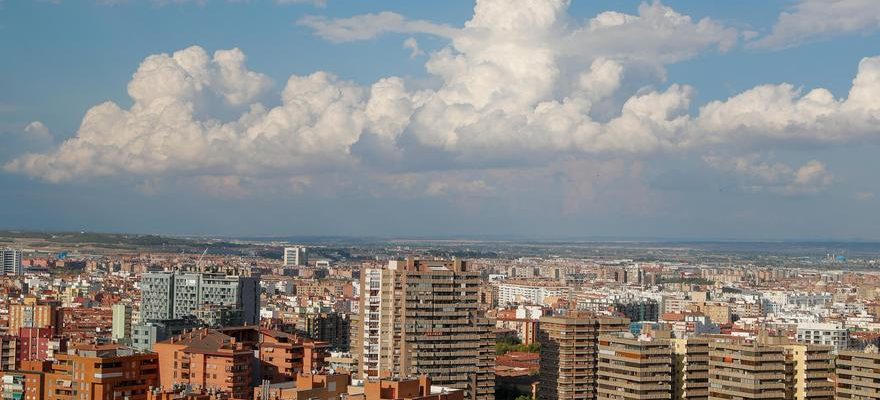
(10, 262)
(297, 256)
(809, 370)
(32, 313)
(157, 296)
(330, 327)
(690, 374)
(746, 370)
(857, 374)
(642, 310)
(217, 299)
(569, 353)
(91, 372)
(634, 368)
(423, 317)
(121, 329)
(380, 304)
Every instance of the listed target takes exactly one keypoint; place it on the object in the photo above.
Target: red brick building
(284, 355)
(99, 372)
(39, 344)
(207, 359)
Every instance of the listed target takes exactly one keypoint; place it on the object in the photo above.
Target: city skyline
(548, 119)
(90, 317)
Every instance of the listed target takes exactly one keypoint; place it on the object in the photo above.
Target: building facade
(857, 372)
(423, 317)
(23, 384)
(218, 299)
(521, 293)
(121, 330)
(207, 359)
(690, 371)
(741, 370)
(569, 353)
(643, 310)
(8, 352)
(297, 256)
(809, 370)
(634, 368)
(306, 386)
(283, 355)
(145, 335)
(32, 313)
(827, 334)
(100, 373)
(330, 327)
(39, 344)
(10, 262)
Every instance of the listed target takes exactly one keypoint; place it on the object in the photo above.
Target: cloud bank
(517, 84)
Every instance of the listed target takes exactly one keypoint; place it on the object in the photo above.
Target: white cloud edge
(808, 21)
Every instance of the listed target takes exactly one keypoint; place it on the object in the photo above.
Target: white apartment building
(828, 334)
(10, 262)
(517, 293)
(297, 256)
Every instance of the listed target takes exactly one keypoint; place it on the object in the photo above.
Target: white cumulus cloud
(785, 113)
(519, 83)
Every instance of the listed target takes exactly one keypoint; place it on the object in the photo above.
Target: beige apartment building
(809, 370)
(690, 368)
(742, 371)
(33, 313)
(858, 374)
(633, 368)
(569, 354)
(718, 312)
(423, 317)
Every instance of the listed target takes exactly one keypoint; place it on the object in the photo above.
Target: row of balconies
(866, 385)
(738, 394)
(747, 387)
(858, 391)
(738, 374)
(635, 378)
(664, 394)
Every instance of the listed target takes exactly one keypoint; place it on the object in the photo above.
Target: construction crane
(199, 261)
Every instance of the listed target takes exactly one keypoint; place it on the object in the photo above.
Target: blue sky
(547, 119)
